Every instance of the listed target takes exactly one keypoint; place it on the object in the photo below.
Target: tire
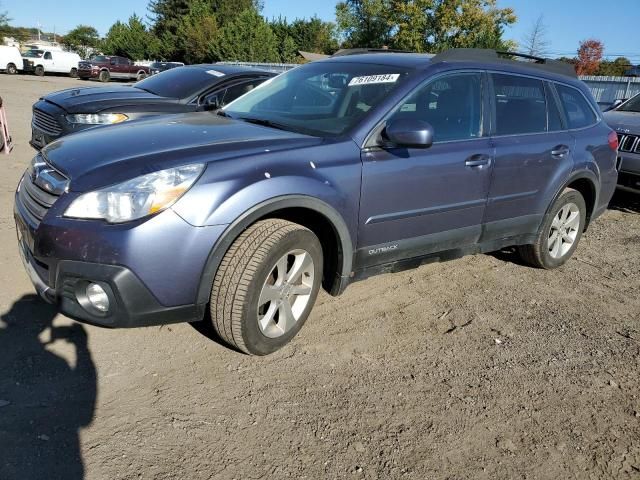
(11, 69)
(73, 73)
(39, 71)
(104, 76)
(552, 249)
(141, 76)
(249, 271)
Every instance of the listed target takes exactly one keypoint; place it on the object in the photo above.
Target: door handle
(479, 160)
(560, 151)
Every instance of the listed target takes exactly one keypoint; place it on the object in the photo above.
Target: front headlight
(136, 198)
(97, 118)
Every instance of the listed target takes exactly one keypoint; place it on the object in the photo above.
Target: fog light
(97, 297)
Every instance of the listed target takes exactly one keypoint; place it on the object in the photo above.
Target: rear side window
(521, 105)
(578, 112)
(451, 104)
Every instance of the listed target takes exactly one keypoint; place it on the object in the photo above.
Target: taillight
(613, 141)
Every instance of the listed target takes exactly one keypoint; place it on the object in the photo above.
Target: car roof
(229, 69)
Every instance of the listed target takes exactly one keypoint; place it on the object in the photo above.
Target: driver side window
(451, 104)
(47, 56)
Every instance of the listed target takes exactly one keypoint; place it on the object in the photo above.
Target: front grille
(36, 194)
(45, 122)
(628, 143)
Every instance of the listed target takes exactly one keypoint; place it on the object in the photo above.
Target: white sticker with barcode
(369, 79)
(215, 73)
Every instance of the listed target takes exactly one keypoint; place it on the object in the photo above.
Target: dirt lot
(479, 368)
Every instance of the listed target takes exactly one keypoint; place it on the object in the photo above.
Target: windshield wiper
(264, 122)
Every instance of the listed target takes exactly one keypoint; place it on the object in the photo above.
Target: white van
(51, 61)
(10, 59)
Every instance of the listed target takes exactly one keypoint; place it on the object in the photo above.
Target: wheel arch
(585, 182)
(309, 212)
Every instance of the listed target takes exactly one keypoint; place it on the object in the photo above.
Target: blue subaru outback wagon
(330, 173)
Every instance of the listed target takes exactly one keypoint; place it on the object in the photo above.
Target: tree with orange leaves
(589, 56)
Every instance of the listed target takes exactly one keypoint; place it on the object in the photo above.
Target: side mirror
(617, 103)
(213, 103)
(409, 133)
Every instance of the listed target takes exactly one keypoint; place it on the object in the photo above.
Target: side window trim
(371, 138)
(491, 74)
(596, 113)
(550, 89)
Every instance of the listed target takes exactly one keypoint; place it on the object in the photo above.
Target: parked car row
(41, 61)
(324, 175)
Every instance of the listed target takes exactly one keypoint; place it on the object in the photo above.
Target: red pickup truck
(104, 68)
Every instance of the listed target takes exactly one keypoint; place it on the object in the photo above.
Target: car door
(48, 62)
(417, 201)
(533, 154)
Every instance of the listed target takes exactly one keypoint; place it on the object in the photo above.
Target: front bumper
(151, 270)
(629, 176)
(131, 302)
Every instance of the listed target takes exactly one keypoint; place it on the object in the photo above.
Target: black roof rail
(343, 52)
(493, 56)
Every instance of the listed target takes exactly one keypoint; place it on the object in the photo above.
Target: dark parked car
(184, 89)
(327, 174)
(159, 67)
(105, 68)
(625, 120)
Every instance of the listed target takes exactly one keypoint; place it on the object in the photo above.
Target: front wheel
(141, 76)
(39, 71)
(266, 286)
(559, 235)
(104, 76)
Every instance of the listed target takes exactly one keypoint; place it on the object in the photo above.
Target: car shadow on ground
(44, 400)
(625, 202)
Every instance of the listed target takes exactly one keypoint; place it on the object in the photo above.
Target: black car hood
(105, 156)
(623, 121)
(97, 99)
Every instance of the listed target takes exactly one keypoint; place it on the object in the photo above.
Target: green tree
(365, 23)
(615, 68)
(197, 33)
(131, 40)
(424, 25)
(82, 39)
(167, 19)
(247, 38)
(314, 35)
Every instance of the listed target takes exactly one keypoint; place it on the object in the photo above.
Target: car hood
(96, 99)
(105, 156)
(622, 121)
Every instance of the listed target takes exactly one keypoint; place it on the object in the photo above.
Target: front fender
(263, 209)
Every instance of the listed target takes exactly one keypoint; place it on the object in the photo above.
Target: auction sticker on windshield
(215, 73)
(369, 79)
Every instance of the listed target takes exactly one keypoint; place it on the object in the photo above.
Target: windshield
(632, 105)
(181, 82)
(34, 54)
(323, 99)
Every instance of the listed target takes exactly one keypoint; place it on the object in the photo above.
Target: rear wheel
(73, 73)
(39, 71)
(11, 69)
(559, 235)
(266, 286)
(104, 76)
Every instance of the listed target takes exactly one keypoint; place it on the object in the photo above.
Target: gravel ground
(478, 368)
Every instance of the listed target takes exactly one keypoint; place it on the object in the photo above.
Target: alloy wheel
(564, 230)
(285, 293)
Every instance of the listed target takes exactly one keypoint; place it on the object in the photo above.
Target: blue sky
(568, 21)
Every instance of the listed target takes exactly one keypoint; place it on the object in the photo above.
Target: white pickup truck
(51, 61)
